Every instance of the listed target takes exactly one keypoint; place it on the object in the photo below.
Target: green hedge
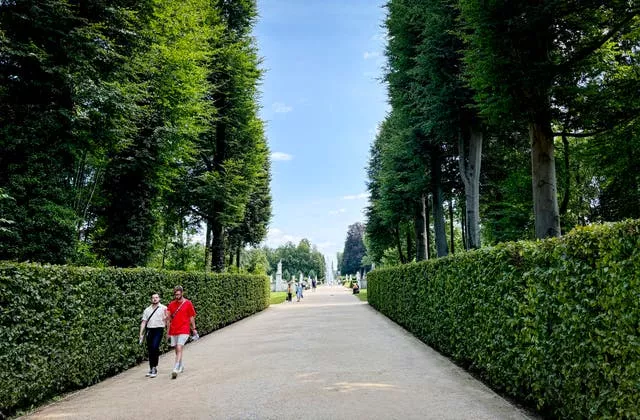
(62, 328)
(554, 323)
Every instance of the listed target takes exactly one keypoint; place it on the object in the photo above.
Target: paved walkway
(327, 357)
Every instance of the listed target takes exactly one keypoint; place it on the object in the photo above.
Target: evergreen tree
(354, 250)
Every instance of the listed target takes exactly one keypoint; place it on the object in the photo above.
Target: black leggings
(154, 337)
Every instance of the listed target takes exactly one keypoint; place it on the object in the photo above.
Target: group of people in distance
(178, 318)
(298, 288)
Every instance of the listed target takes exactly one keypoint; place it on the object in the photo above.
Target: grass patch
(362, 295)
(277, 297)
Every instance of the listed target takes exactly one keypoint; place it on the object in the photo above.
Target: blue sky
(322, 102)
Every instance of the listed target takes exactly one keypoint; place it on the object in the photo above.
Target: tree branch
(588, 50)
(600, 131)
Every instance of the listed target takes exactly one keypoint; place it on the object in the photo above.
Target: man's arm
(192, 321)
(143, 324)
(167, 321)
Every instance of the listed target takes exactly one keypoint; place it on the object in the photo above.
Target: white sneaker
(149, 373)
(174, 374)
(181, 369)
(153, 373)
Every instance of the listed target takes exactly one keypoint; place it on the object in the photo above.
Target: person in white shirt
(153, 323)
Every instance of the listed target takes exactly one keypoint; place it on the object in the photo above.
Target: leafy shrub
(553, 323)
(65, 327)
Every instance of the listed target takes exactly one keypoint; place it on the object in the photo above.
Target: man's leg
(179, 348)
(154, 350)
(150, 350)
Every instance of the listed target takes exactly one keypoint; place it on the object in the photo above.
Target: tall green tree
(519, 51)
(354, 250)
(446, 100)
(406, 81)
(303, 258)
(59, 103)
(231, 149)
(173, 113)
(253, 228)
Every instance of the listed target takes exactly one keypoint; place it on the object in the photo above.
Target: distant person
(289, 292)
(313, 284)
(181, 321)
(356, 288)
(298, 291)
(152, 325)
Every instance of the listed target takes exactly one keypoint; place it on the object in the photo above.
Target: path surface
(327, 357)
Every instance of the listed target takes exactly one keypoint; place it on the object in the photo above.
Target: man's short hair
(178, 289)
(155, 293)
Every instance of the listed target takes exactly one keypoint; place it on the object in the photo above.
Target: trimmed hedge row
(555, 323)
(62, 328)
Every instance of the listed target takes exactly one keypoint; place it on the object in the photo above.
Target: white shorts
(180, 339)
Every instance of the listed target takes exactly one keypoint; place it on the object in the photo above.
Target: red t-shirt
(180, 322)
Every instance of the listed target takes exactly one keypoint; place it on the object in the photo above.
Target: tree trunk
(463, 222)
(451, 230)
(217, 247)
(438, 214)
(420, 232)
(207, 249)
(471, 139)
(543, 175)
(399, 246)
(238, 256)
(230, 259)
(567, 176)
(582, 219)
(409, 245)
(427, 226)
(164, 252)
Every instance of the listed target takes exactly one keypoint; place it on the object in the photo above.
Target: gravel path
(327, 357)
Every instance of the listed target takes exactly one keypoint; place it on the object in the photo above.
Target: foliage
(552, 323)
(65, 327)
(111, 127)
(4, 230)
(304, 258)
(552, 64)
(354, 250)
(229, 182)
(173, 114)
(255, 261)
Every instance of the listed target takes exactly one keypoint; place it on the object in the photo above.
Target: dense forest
(128, 126)
(509, 120)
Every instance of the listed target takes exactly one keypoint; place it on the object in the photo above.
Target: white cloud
(356, 197)
(373, 132)
(335, 212)
(325, 245)
(371, 54)
(277, 237)
(281, 108)
(381, 36)
(280, 156)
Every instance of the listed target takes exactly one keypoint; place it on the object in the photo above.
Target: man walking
(153, 322)
(181, 320)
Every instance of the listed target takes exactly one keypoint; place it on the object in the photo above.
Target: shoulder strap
(151, 316)
(174, 314)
